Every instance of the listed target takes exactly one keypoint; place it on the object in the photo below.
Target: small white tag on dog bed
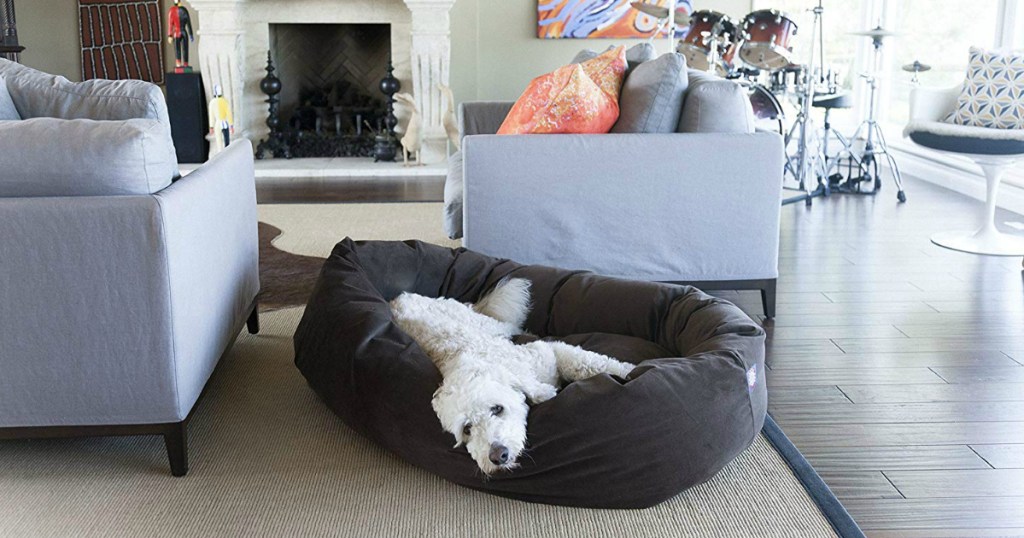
(751, 378)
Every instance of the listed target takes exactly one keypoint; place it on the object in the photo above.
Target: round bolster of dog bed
(696, 399)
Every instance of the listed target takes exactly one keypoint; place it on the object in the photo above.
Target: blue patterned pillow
(993, 94)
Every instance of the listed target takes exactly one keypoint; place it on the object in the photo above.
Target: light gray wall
(48, 29)
(495, 51)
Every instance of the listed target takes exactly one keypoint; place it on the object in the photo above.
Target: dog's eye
(497, 410)
(466, 429)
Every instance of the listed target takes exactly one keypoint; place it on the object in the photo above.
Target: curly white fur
(488, 379)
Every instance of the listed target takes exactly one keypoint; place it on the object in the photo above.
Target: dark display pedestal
(186, 104)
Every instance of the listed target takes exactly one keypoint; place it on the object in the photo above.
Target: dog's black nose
(499, 454)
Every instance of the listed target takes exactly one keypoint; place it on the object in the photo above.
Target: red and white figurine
(179, 32)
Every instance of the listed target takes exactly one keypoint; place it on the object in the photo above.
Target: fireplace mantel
(234, 37)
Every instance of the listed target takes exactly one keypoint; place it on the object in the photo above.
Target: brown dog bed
(696, 399)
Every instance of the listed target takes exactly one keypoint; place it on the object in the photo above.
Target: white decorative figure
(412, 138)
(451, 124)
(222, 125)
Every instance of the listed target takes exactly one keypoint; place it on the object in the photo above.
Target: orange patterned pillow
(579, 98)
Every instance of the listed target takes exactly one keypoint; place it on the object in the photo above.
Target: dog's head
(486, 415)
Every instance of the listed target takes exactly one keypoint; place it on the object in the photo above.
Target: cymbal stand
(874, 143)
(807, 166)
(713, 39)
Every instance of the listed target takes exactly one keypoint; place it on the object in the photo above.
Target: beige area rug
(314, 229)
(290, 262)
(269, 459)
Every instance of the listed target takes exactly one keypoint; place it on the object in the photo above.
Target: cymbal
(917, 67)
(654, 10)
(875, 33)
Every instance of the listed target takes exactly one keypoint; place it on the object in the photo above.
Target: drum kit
(757, 52)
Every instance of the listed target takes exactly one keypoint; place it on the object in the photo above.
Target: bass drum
(767, 35)
(695, 46)
(766, 106)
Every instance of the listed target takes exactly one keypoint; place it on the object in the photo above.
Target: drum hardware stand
(711, 39)
(874, 142)
(832, 162)
(803, 123)
(667, 16)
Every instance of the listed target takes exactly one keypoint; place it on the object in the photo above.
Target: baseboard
(964, 178)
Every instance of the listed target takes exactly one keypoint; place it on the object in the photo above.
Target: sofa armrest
(932, 104)
(482, 117)
(651, 206)
(210, 229)
(114, 309)
(84, 323)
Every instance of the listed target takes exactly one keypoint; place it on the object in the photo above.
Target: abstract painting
(594, 19)
(121, 39)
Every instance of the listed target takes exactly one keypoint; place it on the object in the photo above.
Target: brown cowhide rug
(286, 279)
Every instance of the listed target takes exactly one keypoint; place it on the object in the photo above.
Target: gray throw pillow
(7, 108)
(635, 55)
(715, 105)
(42, 95)
(54, 157)
(652, 96)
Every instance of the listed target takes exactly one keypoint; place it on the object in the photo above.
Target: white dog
(488, 379)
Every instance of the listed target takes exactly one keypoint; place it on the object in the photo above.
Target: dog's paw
(621, 369)
(542, 394)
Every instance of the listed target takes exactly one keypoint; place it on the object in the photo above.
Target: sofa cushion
(652, 96)
(7, 109)
(576, 98)
(453, 195)
(41, 95)
(715, 105)
(635, 55)
(55, 157)
(993, 93)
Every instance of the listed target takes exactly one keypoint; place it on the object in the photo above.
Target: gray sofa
(698, 204)
(119, 290)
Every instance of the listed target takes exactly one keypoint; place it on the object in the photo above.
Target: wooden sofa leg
(253, 323)
(768, 298)
(176, 441)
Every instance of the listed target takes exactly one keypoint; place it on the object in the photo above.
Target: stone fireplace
(235, 35)
(331, 103)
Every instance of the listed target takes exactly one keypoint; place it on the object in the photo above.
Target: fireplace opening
(331, 103)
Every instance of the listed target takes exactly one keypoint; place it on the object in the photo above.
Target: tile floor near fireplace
(344, 179)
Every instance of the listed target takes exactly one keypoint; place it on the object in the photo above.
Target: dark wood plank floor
(895, 366)
(349, 190)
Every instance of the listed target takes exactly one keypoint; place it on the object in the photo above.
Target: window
(934, 32)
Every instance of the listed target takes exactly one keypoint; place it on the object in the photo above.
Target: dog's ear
(446, 413)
